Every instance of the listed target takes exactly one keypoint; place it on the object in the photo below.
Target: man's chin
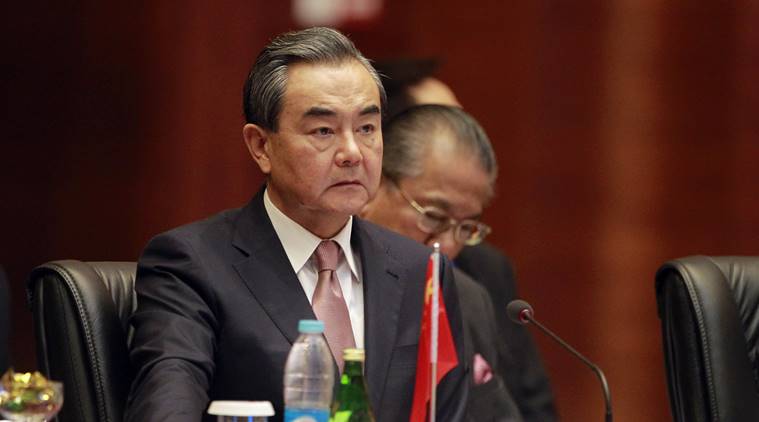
(349, 206)
(346, 199)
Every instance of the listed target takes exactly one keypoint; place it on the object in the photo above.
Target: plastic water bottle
(309, 375)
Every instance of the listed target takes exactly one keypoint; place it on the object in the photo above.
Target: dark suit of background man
(439, 172)
(411, 82)
(219, 300)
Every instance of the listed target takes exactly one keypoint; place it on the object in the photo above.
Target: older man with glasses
(434, 221)
(438, 173)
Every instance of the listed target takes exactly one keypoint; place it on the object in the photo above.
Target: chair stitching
(42, 339)
(70, 358)
(705, 343)
(82, 309)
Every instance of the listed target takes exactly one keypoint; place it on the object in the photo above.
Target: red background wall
(626, 132)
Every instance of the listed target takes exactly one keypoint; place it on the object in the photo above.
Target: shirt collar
(300, 244)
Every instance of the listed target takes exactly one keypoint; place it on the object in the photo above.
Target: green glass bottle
(352, 400)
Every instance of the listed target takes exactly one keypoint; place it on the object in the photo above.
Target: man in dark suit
(520, 363)
(489, 397)
(438, 174)
(219, 300)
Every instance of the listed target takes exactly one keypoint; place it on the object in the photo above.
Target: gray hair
(407, 137)
(267, 79)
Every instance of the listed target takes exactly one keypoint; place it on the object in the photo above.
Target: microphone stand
(526, 315)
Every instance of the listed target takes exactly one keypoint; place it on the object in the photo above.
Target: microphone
(521, 313)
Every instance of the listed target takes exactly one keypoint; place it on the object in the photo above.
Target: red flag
(447, 358)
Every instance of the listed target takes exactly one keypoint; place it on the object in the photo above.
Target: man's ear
(256, 139)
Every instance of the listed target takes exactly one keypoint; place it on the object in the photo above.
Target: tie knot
(326, 255)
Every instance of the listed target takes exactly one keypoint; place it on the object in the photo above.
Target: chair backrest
(81, 312)
(709, 311)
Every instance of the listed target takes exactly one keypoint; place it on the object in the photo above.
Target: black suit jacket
(520, 364)
(218, 310)
(491, 401)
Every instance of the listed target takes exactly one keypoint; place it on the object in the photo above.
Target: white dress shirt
(300, 244)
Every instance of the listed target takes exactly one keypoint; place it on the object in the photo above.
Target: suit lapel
(268, 275)
(383, 294)
(267, 272)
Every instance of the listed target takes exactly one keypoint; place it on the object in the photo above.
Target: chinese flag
(447, 359)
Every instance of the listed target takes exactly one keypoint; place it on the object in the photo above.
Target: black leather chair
(81, 312)
(709, 311)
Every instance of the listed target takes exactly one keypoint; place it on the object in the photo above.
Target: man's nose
(349, 152)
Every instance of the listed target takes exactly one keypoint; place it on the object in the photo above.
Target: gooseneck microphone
(521, 313)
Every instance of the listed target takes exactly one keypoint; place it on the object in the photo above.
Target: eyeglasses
(434, 221)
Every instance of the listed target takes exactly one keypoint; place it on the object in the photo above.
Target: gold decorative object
(29, 397)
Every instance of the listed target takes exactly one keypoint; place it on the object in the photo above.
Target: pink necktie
(329, 303)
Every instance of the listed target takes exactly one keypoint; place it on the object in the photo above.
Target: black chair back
(81, 312)
(709, 311)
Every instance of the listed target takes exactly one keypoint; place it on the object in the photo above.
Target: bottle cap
(310, 326)
(355, 355)
(240, 408)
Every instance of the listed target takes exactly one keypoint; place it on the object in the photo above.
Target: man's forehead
(452, 180)
(327, 88)
(436, 199)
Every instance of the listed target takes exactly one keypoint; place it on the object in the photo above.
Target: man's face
(324, 162)
(452, 181)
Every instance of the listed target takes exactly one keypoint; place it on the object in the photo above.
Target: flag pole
(434, 328)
